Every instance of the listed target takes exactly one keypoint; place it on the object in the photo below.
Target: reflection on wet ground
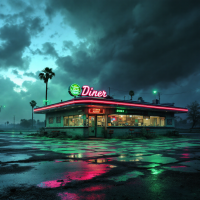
(54, 163)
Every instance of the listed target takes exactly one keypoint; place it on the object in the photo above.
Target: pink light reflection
(52, 184)
(86, 172)
(67, 196)
(185, 155)
(73, 196)
(178, 166)
(95, 188)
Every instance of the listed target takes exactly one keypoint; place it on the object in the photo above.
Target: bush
(173, 133)
(77, 137)
(124, 137)
(150, 135)
(42, 129)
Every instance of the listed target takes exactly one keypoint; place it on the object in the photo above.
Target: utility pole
(109, 91)
(124, 97)
(14, 121)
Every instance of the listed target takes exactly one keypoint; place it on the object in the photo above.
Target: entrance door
(92, 126)
(100, 126)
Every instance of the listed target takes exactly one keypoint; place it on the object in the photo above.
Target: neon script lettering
(87, 91)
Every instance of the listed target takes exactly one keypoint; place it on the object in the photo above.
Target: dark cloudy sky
(137, 45)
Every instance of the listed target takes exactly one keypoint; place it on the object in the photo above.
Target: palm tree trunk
(32, 117)
(46, 93)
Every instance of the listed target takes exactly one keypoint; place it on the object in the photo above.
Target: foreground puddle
(74, 196)
(188, 166)
(13, 157)
(85, 171)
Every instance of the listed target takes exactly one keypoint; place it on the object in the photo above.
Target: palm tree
(140, 99)
(131, 93)
(33, 104)
(45, 76)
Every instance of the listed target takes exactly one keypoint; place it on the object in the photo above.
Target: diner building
(93, 114)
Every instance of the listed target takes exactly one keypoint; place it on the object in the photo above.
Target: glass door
(92, 126)
(100, 125)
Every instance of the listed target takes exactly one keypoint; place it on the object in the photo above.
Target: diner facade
(96, 116)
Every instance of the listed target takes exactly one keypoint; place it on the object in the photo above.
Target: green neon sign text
(120, 111)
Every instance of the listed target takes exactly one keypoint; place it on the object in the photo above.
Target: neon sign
(96, 110)
(120, 111)
(87, 91)
(74, 89)
(106, 102)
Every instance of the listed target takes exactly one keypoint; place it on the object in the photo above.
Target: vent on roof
(167, 104)
(155, 101)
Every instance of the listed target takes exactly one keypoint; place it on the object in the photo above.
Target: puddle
(126, 176)
(77, 171)
(74, 196)
(13, 157)
(158, 158)
(156, 171)
(100, 160)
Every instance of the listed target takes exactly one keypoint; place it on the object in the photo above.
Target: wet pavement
(49, 168)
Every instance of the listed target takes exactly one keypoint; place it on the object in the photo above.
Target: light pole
(155, 92)
(2, 107)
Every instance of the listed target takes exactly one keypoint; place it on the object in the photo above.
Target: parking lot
(38, 168)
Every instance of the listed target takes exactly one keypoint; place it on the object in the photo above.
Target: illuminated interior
(135, 120)
(75, 120)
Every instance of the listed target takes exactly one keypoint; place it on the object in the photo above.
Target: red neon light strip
(110, 102)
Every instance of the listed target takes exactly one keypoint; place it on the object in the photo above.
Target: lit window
(76, 120)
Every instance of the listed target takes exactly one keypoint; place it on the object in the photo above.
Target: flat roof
(108, 103)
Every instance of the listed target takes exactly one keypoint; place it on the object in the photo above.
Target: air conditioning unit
(155, 101)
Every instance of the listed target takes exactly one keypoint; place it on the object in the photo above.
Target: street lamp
(155, 92)
(2, 107)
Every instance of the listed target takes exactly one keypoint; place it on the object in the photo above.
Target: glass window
(66, 121)
(71, 121)
(138, 120)
(76, 120)
(112, 120)
(91, 121)
(130, 120)
(122, 120)
(162, 121)
(101, 121)
(58, 119)
(157, 121)
(50, 120)
(135, 120)
(146, 121)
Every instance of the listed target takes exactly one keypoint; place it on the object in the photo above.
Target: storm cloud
(121, 45)
(141, 43)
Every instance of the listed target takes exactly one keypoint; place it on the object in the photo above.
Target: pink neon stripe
(109, 102)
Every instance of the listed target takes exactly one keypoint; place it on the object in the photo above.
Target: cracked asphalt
(50, 168)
